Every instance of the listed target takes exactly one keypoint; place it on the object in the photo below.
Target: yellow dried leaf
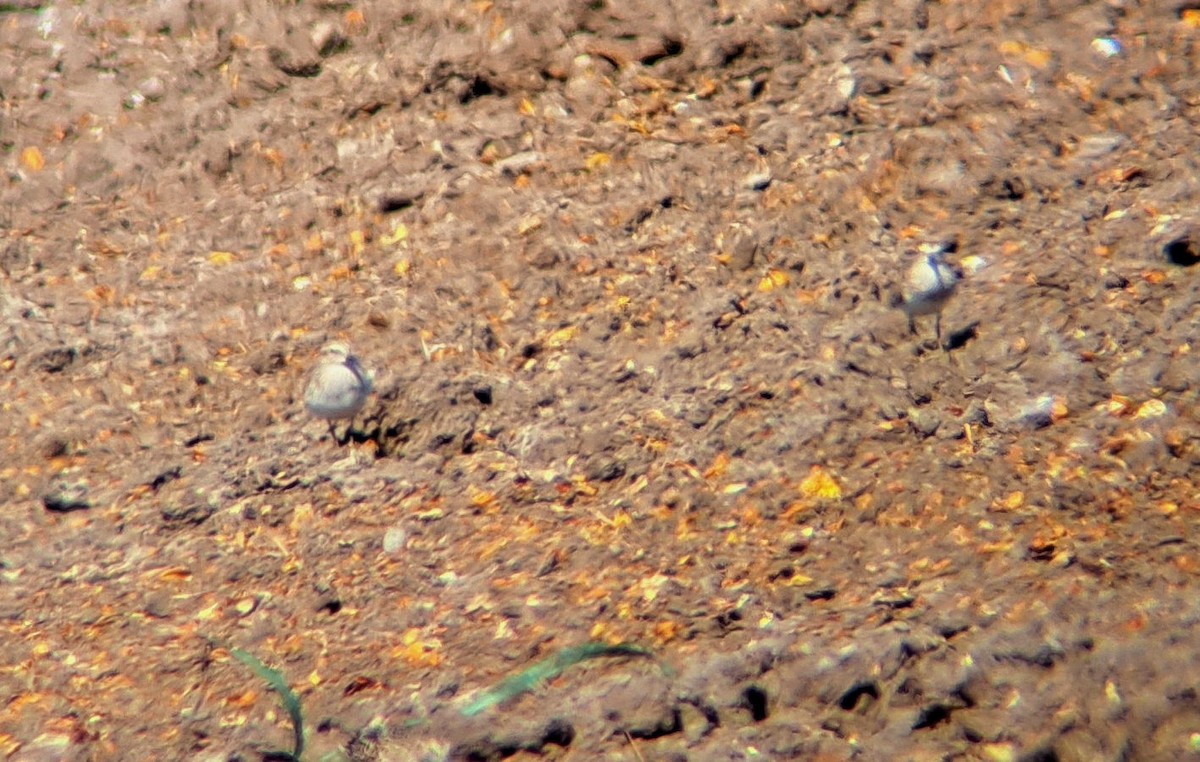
(1151, 409)
(972, 263)
(719, 466)
(102, 293)
(243, 700)
(175, 574)
(273, 156)
(1038, 58)
(581, 486)
(415, 651)
(772, 280)
(32, 159)
(1058, 410)
(1111, 692)
(708, 87)
(820, 485)
(220, 258)
(652, 586)
(398, 234)
(1118, 405)
(1000, 546)
(529, 224)
(526, 107)
(1191, 18)
(245, 606)
(633, 124)
(596, 161)
(483, 499)
(1012, 48)
(562, 336)
(358, 241)
(999, 752)
(665, 632)
(1012, 501)
(1011, 248)
(354, 21)
(9, 745)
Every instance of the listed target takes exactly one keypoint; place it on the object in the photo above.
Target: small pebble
(1106, 46)
(394, 540)
(152, 88)
(64, 496)
(758, 180)
(925, 421)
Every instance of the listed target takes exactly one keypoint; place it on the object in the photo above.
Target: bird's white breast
(336, 390)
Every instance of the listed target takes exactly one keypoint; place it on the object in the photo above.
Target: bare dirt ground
(622, 270)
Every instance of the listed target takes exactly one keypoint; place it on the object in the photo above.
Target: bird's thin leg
(937, 326)
(912, 326)
(945, 344)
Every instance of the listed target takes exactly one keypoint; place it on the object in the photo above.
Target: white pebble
(394, 540)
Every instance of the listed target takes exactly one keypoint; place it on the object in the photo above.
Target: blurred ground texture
(622, 270)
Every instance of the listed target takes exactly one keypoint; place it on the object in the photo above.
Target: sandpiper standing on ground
(337, 388)
(930, 284)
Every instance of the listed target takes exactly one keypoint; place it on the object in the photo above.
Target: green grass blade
(290, 702)
(547, 669)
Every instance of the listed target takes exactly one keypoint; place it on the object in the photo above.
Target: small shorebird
(930, 284)
(337, 388)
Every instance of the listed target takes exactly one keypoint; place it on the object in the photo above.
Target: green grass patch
(547, 669)
(290, 701)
